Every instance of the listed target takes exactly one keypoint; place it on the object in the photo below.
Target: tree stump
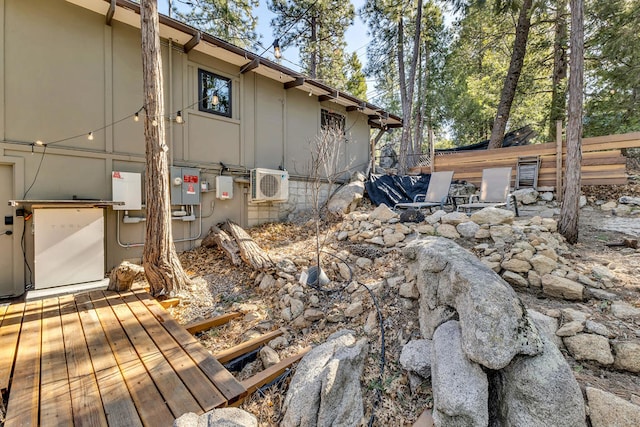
(250, 252)
(123, 276)
(217, 237)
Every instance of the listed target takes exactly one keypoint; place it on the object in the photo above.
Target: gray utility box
(185, 186)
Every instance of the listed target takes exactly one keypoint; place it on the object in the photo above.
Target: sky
(356, 36)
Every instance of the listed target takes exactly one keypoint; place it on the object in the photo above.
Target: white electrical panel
(224, 187)
(126, 187)
(68, 246)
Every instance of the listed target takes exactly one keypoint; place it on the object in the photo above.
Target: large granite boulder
(325, 390)
(608, 410)
(460, 387)
(538, 391)
(346, 199)
(223, 417)
(493, 320)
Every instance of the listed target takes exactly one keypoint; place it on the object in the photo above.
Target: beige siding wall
(65, 73)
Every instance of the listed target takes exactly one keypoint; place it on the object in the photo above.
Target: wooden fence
(602, 161)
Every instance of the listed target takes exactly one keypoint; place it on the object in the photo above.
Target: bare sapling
(328, 163)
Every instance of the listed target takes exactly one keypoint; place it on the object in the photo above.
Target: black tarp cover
(393, 189)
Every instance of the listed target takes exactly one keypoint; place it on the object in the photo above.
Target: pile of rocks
(511, 353)
(486, 344)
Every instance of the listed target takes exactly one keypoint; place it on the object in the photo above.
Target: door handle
(7, 232)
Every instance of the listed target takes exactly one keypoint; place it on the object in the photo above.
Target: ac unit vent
(269, 185)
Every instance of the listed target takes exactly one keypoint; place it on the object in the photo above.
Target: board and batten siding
(65, 73)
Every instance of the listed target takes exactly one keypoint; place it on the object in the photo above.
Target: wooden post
(559, 160)
(432, 150)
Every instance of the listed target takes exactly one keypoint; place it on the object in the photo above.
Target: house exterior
(70, 144)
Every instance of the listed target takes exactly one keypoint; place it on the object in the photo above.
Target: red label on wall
(116, 175)
(190, 178)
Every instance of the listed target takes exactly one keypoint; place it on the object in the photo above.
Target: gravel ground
(219, 287)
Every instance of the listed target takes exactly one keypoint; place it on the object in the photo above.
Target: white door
(69, 246)
(8, 285)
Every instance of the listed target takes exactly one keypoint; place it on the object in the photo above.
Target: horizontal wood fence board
(602, 161)
(624, 137)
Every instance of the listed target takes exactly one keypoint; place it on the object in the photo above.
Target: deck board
(22, 409)
(86, 402)
(55, 399)
(118, 404)
(9, 333)
(105, 358)
(148, 400)
(168, 382)
(225, 382)
(196, 381)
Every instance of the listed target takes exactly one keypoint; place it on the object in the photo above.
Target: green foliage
(476, 67)
(356, 83)
(317, 28)
(230, 20)
(612, 63)
(383, 16)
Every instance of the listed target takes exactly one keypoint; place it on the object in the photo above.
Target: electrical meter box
(126, 187)
(224, 187)
(185, 186)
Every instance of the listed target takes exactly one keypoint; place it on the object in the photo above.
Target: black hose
(316, 285)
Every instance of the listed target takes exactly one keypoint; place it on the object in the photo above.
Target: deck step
(203, 325)
(231, 353)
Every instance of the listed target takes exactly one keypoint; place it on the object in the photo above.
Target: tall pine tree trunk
(513, 75)
(313, 64)
(407, 87)
(569, 213)
(558, 85)
(161, 264)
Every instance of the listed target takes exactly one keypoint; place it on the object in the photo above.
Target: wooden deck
(105, 358)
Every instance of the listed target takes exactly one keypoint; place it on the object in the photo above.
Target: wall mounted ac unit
(269, 185)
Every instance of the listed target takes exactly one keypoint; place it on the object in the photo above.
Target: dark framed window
(331, 120)
(214, 93)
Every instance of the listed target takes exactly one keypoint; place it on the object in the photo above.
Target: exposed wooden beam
(359, 107)
(192, 43)
(110, 12)
(373, 124)
(299, 81)
(331, 96)
(250, 66)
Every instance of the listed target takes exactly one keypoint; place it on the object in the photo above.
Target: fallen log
(627, 243)
(219, 238)
(250, 252)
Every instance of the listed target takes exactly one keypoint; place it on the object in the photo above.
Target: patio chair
(437, 193)
(527, 172)
(494, 191)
